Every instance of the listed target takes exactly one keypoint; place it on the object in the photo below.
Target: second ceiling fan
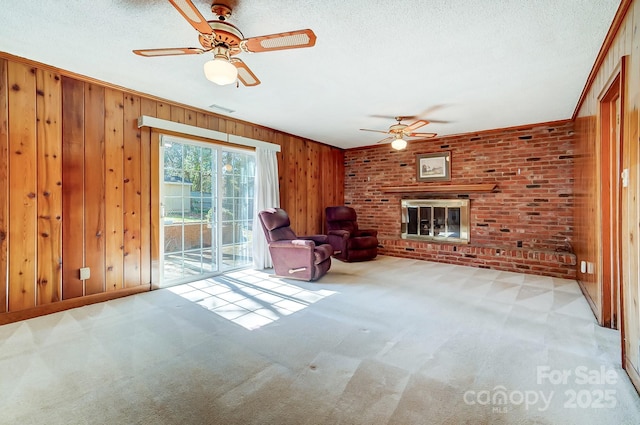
(225, 41)
(399, 131)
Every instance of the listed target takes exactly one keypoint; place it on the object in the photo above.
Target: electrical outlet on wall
(85, 273)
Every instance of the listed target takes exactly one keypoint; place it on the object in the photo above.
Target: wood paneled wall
(4, 184)
(75, 186)
(623, 40)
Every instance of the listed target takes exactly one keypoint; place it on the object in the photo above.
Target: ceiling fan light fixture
(399, 144)
(220, 71)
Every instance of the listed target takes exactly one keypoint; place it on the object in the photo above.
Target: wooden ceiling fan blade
(171, 51)
(431, 109)
(425, 114)
(245, 75)
(386, 139)
(423, 135)
(415, 125)
(395, 117)
(375, 131)
(421, 115)
(281, 41)
(192, 15)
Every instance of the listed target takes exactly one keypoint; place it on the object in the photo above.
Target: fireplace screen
(440, 220)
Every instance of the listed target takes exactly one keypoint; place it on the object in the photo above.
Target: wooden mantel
(441, 188)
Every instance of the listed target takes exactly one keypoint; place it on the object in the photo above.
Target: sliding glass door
(207, 209)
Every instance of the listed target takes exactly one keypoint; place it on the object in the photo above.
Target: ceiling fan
(399, 131)
(225, 41)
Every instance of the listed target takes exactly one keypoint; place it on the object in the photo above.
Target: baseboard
(592, 305)
(633, 374)
(45, 309)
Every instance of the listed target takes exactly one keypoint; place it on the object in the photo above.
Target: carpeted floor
(391, 341)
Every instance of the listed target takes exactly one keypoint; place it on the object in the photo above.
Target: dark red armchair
(294, 257)
(348, 241)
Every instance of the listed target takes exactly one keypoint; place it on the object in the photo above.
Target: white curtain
(267, 195)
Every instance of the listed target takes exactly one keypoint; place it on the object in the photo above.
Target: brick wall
(525, 225)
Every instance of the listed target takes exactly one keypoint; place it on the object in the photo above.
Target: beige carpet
(391, 341)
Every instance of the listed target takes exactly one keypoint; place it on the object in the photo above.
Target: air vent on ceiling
(222, 109)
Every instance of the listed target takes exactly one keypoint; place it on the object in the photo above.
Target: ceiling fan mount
(225, 40)
(397, 128)
(222, 11)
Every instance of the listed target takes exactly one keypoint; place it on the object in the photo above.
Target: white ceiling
(480, 64)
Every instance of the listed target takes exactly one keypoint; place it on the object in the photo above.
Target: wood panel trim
(114, 198)
(155, 209)
(94, 200)
(49, 183)
(633, 375)
(73, 121)
(618, 19)
(23, 201)
(4, 186)
(63, 305)
(147, 107)
(132, 192)
(585, 293)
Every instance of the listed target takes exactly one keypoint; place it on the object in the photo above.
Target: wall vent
(221, 109)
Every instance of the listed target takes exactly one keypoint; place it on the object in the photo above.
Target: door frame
(156, 194)
(610, 201)
(611, 122)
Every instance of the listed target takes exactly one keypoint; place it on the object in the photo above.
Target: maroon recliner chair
(350, 243)
(294, 257)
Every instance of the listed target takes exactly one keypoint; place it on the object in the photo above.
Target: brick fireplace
(524, 224)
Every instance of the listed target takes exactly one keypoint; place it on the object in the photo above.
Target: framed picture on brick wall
(433, 167)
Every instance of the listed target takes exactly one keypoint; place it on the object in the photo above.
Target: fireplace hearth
(444, 220)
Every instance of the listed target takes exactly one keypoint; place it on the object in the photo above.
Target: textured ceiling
(479, 64)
